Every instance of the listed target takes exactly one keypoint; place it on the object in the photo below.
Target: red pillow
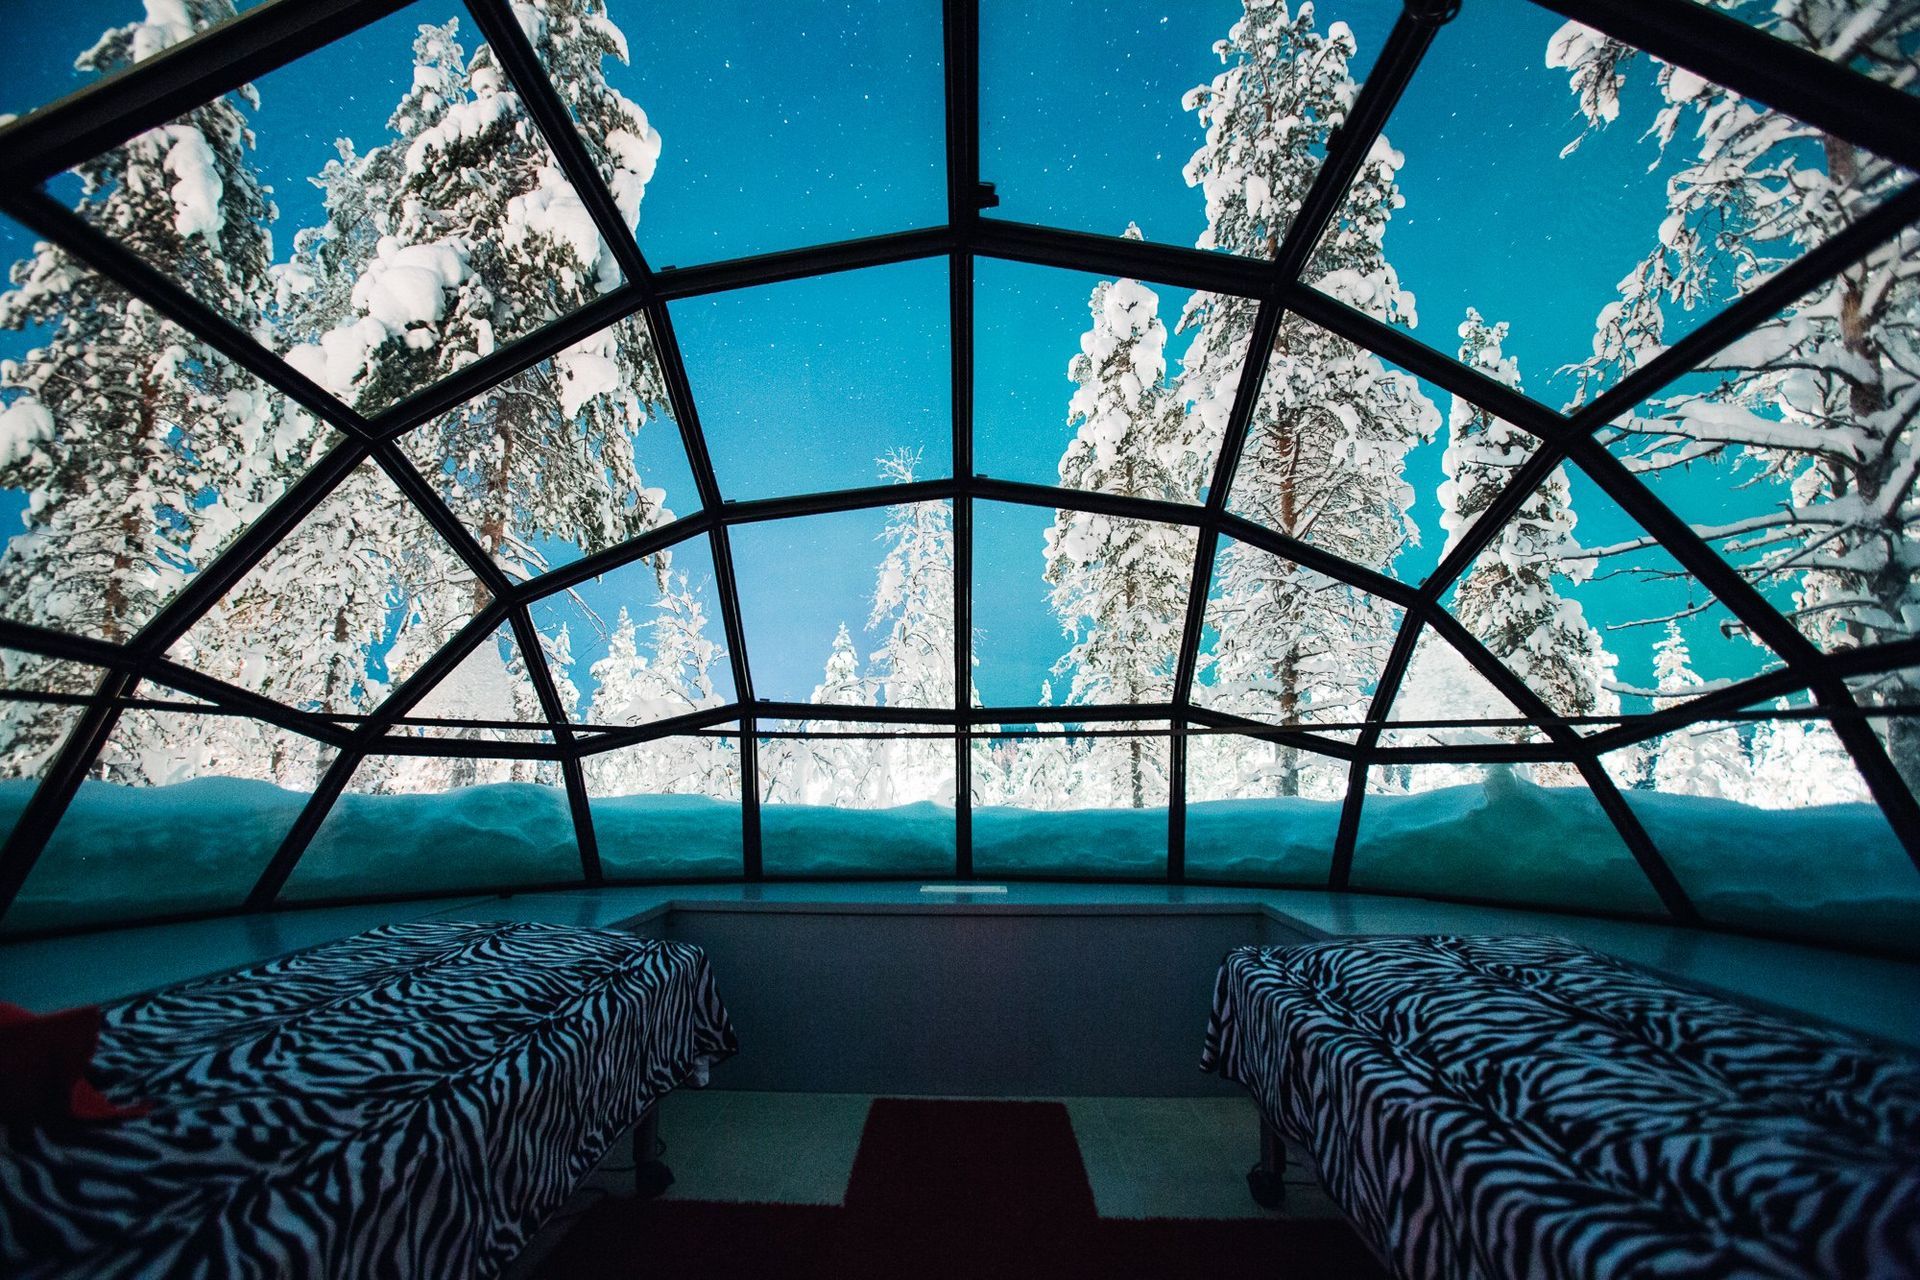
(42, 1061)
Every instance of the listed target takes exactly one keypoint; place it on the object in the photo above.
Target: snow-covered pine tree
(1120, 586)
(1327, 444)
(1705, 759)
(913, 597)
(480, 239)
(1510, 598)
(142, 450)
(1816, 401)
(842, 685)
(1801, 763)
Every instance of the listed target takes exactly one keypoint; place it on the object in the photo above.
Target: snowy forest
(142, 454)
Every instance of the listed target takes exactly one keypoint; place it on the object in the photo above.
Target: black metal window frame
(1832, 97)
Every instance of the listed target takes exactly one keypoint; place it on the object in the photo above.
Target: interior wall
(1052, 1002)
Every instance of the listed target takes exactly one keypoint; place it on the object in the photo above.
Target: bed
(412, 1101)
(1521, 1106)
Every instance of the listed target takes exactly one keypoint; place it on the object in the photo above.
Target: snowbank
(1833, 872)
(495, 835)
(1073, 842)
(667, 836)
(123, 852)
(819, 840)
(1501, 839)
(1288, 841)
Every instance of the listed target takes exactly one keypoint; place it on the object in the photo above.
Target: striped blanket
(1518, 1107)
(413, 1101)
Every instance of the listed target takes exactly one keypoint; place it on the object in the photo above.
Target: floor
(1144, 1157)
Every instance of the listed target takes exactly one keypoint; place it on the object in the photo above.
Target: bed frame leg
(1265, 1179)
(651, 1177)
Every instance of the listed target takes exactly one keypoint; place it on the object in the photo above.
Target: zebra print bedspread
(413, 1101)
(1523, 1107)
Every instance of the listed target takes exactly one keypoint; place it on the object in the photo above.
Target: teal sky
(817, 120)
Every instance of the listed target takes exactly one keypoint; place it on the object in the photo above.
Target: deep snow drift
(1834, 872)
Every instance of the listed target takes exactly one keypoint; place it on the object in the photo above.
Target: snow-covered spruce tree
(826, 769)
(1510, 598)
(1818, 402)
(632, 688)
(1329, 435)
(1705, 759)
(1120, 586)
(1800, 763)
(913, 598)
(842, 685)
(142, 451)
(478, 238)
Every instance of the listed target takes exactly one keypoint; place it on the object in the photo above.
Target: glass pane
(490, 685)
(1261, 811)
(1768, 825)
(1330, 446)
(130, 454)
(443, 226)
(1682, 195)
(577, 454)
(1788, 452)
(1095, 114)
(640, 643)
(1441, 687)
(1493, 831)
(1290, 646)
(1899, 732)
(854, 608)
(181, 812)
(1603, 624)
(54, 50)
(847, 805)
(785, 125)
(423, 824)
(1070, 804)
(1077, 608)
(1071, 385)
(667, 808)
(344, 607)
(1875, 40)
(32, 730)
(832, 382)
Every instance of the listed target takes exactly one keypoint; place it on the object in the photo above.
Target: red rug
(981, 1190)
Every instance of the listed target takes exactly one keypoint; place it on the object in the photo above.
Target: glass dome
(1461, 450)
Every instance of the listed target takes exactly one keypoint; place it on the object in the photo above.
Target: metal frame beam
(105, 114)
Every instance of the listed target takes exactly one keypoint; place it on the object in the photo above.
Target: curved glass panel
(1258, 810)
(569, 458)
(1687, 195)
(1494, 832)
(1288, 645)
(1201, 124)
(871, 621)
(669, 808)
(782, 125)
(1768, 825)
(1056, 802)
(836, 382)
(426, 824)
(640, 643)
(833, 802)
(182, 812)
